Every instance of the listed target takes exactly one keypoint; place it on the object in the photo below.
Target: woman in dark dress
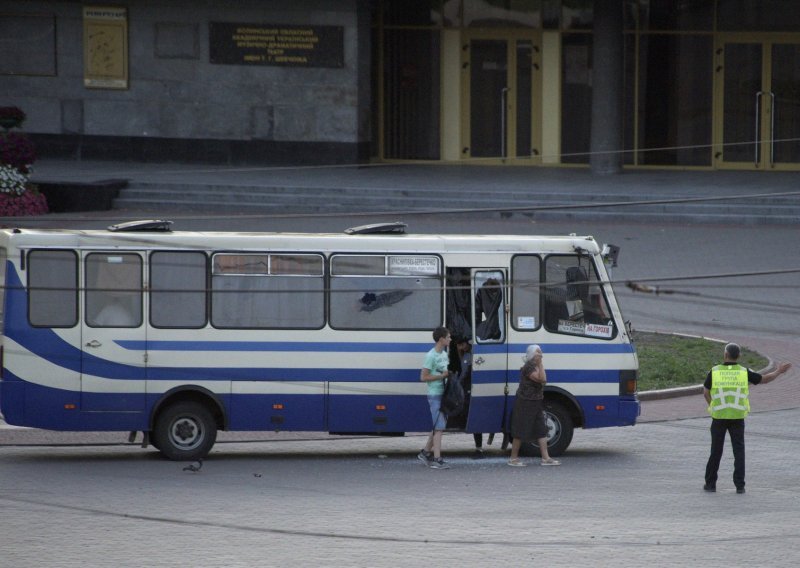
(528, 422)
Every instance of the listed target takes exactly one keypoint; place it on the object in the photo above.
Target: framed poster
(105, 47)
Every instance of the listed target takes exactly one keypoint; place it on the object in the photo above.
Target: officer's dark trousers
(718, 428)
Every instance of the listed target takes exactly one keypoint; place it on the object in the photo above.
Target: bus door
(113, 334)
(488, 405)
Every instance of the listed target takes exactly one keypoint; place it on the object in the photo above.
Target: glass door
(758, 107)
(488, 407)
(500, 88)
(113, 365)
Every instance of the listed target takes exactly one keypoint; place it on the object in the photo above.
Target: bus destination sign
(278, 45)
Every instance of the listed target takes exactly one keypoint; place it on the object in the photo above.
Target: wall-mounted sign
(274, 44)
(105, 47)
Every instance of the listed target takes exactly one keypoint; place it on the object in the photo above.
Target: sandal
(516, 463)
(550, 461)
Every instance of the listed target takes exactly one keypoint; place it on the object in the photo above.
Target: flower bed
(31, 202)
(17, 195)
(17, 151)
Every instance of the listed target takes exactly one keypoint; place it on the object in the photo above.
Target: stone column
(363, 50)
(607, 73)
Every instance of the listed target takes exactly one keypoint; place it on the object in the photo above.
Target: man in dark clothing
(726, 391)
(487, 303)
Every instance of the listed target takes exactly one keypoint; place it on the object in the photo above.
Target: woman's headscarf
(530, 352)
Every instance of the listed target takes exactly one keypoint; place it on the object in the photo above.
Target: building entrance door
(501, 94)
(757, 110)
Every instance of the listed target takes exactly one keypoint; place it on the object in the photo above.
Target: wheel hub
(185, 430)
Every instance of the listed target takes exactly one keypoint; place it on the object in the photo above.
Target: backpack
(453, 397)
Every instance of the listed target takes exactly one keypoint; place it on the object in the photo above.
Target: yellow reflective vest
(729, 392)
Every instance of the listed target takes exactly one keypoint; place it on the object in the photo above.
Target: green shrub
(667, 361)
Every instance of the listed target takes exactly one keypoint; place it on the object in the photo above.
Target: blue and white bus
(182, 334)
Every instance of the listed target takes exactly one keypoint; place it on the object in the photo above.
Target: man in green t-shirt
(434, 372)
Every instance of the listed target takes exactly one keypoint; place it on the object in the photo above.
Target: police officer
(726, 391)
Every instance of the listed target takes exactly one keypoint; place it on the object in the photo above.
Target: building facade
(178, 80)
(711, 84)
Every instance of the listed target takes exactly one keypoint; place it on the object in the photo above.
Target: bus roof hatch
(378, 228)
(143, 225)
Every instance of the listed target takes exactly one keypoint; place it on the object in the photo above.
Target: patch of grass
(667, 361)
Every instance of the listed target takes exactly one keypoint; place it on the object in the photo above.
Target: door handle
(93, 343)
(479, 361)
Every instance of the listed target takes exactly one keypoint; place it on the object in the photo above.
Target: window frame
(76, 304)
(142, 286)
(268, 254)
(596, 282)
(206, 291)
(513, 299)
(440, 276)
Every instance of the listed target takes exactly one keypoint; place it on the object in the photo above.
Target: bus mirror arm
(610, 254)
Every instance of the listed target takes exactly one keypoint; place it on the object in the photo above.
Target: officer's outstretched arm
(769, 377)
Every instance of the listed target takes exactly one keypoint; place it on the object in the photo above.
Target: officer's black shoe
(712, 488)
(740, 490)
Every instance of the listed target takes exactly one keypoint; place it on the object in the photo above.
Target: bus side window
(385, 292)
(574, 301)
(178, 289)
(489, 307)
(113, 290)
(53, 288)
(267, 291)
(525, 274)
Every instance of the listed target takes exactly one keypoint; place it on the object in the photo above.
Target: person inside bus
(461, 367)
(528, 421)
(555, 306)
(115, 313)
(459, 320)
(434, 372)
(588, 309)
(487, 304)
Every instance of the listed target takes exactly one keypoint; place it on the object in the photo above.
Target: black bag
(453, 397)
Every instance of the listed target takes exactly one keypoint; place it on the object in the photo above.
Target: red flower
(29, 203)
(17, 150)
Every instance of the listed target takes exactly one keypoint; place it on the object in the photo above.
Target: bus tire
(560, 428)
(185, 431)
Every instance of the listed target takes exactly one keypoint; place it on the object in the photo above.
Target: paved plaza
(623, 496)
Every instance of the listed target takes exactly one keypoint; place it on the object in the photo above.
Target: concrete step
(372, 202)
(383, 192)
(303, 199)
(616, 215)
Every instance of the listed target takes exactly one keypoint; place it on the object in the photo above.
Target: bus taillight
(627, 382)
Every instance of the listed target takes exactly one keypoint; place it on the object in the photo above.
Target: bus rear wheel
(185, 431)
(559, 428)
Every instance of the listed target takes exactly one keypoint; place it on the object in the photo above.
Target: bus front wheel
(559, 428)
(185, 431)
